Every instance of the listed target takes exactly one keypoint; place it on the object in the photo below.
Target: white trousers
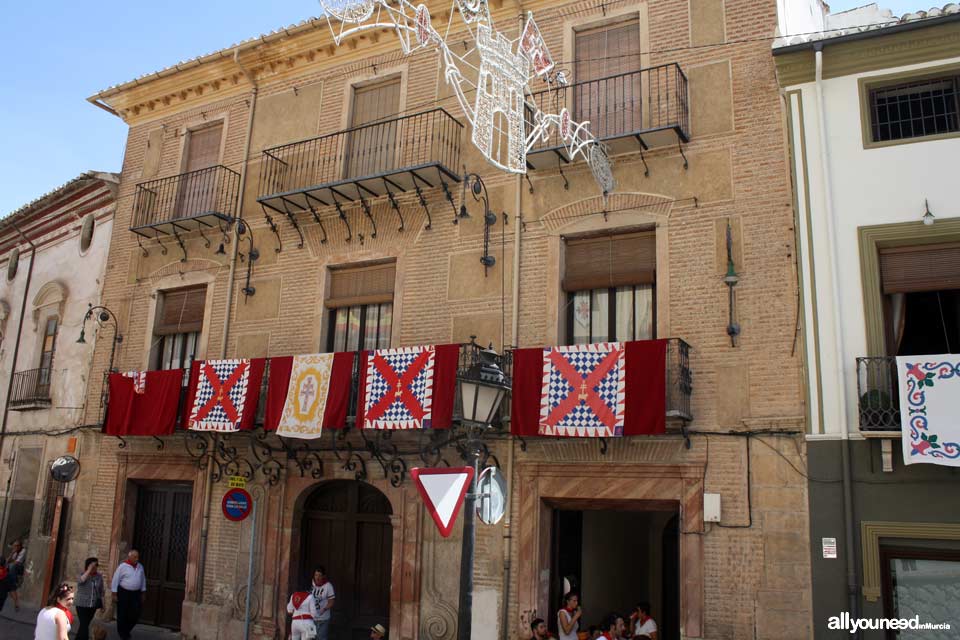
(302, 630)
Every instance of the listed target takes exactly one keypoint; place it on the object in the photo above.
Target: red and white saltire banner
(224, 394)
(308, 393)
(139, 380)
(599, 390)
(583, 390)
(408, 387)
(151, 412)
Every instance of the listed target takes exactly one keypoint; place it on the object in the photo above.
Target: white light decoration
(506, 122)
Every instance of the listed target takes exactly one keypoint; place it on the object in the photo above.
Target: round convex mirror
(491, 496)
(65, 469)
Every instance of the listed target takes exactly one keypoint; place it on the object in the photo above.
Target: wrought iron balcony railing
(186, 202)
(631, 111)
(878, 397)
(406, 153)
(679, 379)
(31, 389)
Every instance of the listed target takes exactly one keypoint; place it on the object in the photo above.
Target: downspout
(13, 367)
(848, 521)
(208, 488)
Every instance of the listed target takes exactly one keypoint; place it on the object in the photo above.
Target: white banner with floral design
(930, 408)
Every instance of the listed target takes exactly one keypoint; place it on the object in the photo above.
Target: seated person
(644, 626)
(538, 630)
(613, 627)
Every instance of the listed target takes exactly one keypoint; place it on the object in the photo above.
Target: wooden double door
(346, 529)
(162, 536)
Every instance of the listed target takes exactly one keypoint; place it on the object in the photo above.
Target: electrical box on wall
(711, 507)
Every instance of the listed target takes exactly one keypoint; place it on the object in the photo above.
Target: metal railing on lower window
(31, 387)
(878, 398)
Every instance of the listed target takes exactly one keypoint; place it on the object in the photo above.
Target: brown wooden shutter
(371, 149)
(372, 284)
(203, 147)
(181, 311)
(375, 102)
(612, 106)
(610, 261)
(606, 51)
(930, 267)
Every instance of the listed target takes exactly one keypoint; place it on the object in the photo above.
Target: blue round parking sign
(237, 504)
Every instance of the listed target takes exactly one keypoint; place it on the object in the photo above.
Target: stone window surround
(366, 78)
(875, 237)
(872, 531)
(179, 281)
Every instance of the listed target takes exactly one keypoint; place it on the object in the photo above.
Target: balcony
(191, 201)
(679, 380)
(878, 395)
(633, 111)
(379, 159)
(31, 389)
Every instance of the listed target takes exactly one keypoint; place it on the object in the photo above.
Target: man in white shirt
(323, 596)
(304, 610)
(128, 587)
(643, 625)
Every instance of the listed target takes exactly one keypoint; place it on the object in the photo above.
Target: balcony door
(197, 190)
(46, 357)
(606, 70)
(371, 148)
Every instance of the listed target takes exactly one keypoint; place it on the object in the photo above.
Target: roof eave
(863, 35)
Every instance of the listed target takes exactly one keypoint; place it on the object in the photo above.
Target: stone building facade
(53, 252)
(715, 170)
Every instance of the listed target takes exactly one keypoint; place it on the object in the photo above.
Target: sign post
(237, 504)
(253, 542)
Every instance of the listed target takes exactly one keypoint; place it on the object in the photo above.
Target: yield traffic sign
(442, 490)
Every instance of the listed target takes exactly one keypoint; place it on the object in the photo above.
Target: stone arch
(52, 294)
(624, 209)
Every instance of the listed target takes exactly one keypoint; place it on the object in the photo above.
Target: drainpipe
(13, 366)
(848, 521)
(208, 488)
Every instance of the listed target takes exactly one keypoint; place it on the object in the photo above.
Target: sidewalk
(19, 625)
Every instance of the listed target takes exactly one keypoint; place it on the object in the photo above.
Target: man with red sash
(303, 609)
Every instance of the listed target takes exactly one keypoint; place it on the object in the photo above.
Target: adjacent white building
(53, 253)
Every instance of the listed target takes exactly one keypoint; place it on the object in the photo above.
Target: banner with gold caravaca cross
(308, 393)
(930, 409)
(408, 387)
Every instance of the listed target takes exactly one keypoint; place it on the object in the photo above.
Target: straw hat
(378, 628)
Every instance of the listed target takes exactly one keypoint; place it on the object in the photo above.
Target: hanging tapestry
(930, 409)
(150, 412)
(596, 390)
(139, 380)
(398, 389)
(583, 390)
(225, 394)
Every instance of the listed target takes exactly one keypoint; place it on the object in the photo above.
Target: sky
(59, 53)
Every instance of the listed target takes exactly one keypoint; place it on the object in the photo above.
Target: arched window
(13, 263)
(86, 232)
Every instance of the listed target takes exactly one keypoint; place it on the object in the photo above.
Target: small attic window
(13, 263)
(86, 232)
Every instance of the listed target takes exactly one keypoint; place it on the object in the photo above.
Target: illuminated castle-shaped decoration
(500, 89)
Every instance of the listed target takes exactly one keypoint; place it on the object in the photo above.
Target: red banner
(151, 413)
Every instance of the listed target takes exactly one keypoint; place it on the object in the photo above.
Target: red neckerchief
(569, 610)
(132, 563)
(66, 611)
(298, 598)
(322, 582)
(604, 635)
(643, 619)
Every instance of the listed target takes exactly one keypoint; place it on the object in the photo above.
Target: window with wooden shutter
(181, 310)
(608, 92)
(929, 267)
(203, 147)
(611, 287)
(361, 307)
(371, 149)
(197, 190)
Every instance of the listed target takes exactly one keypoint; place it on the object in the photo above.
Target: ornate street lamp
(105, 315)
(482, 388)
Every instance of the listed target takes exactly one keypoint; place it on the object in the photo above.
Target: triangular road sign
(442, 490)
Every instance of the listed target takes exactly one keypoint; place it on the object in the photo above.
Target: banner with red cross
(583, 390)
(408, 387)
(224, 394)
(595, 390)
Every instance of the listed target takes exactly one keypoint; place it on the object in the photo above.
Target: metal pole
(465, 609)
(253, 543)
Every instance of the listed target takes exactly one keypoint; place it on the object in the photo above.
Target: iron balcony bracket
(180, 242)
(160, 444)
(343, 217)
(449, 197)
(529, 184)
(146, 253)
(423, 203)
(643, 159)
(393, 203)
(273, 227)
(369, 214)
(293, 221)
(566, 183)
(686, 164)
(316, 216)
(163, 247)
(206, 240)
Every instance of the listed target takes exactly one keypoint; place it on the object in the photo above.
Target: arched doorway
(346, 528)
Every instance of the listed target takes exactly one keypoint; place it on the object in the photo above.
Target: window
(197, 192)
(915, 109)
(47, 348)
(610, 282)
(86, 232)
(607, 93)
(370, 149)
(178, 326)
(361, 307)
(53, 491)
(919, 582)
(12, 263)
